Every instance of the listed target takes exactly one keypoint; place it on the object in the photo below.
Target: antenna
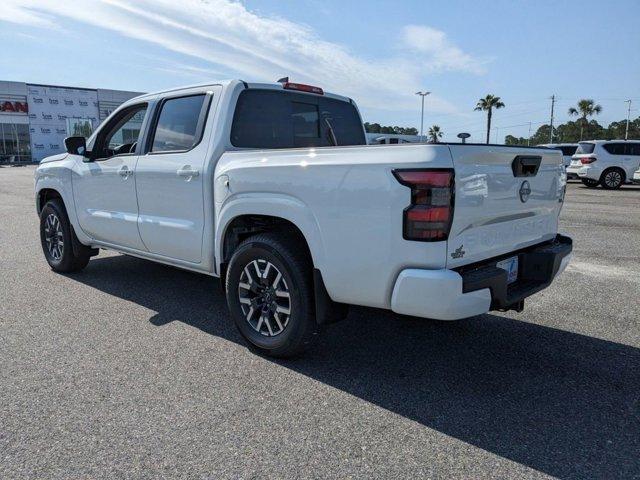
(284, 80)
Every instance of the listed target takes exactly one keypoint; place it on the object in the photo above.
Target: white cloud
(440, 52)
(231, 38)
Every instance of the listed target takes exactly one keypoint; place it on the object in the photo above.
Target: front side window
(79, 127)
(585, 147)
(121, 134)
(178, 124)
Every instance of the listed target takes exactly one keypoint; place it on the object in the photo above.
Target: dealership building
(35, 119)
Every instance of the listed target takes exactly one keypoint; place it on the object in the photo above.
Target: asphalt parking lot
(133, 369)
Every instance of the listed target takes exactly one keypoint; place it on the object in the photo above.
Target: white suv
(609, 163)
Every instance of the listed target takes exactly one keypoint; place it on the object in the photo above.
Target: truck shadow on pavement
(559, 402)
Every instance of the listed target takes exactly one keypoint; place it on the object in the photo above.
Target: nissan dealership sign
(14, 105)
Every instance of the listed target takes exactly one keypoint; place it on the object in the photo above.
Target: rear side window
(615, 148)
(283, 119)
(585, 147)
(179, 124)
(633, 148)
(568, 150)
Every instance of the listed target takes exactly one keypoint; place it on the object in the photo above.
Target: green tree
(435, 133)
(570, 132)
(511, 140)
(586, 108)
(616, 130)
(487, 104)
(377, 128)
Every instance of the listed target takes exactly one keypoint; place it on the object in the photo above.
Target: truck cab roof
(232, 83)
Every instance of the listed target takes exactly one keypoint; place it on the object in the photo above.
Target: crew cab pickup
(272, 188)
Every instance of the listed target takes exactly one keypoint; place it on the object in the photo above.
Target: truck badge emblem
(525, 191)
(458, 253)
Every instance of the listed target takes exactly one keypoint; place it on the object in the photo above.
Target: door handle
(124, 172)
(187, 172)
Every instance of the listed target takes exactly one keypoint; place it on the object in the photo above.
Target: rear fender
(274, 205)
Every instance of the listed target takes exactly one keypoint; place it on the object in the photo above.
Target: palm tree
(488, 103)
(434, 134)
(586, 108)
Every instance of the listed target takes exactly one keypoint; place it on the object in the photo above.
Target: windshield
(585, 147)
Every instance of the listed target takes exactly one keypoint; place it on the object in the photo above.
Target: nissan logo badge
(525, 191)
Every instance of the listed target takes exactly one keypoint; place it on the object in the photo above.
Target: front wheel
(270, 295)
(57, 238)
(589, 182)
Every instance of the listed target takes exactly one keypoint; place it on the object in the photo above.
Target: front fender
(274, 205)
(57, 176)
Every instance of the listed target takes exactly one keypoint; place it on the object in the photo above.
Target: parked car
(636, 176)
(567, 149)
(392, 139)
(609, 163)
(271, 188)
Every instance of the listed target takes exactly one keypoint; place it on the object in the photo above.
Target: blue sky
(379, 53)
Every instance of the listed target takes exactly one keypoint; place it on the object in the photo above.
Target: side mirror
(76, 145)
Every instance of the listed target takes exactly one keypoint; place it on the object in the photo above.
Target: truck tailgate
(506, 198)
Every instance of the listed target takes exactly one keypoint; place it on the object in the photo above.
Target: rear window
(282, 119)
(585, 147)
(568, 150)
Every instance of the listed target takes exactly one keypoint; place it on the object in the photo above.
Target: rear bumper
(476, 289)
(590, 172)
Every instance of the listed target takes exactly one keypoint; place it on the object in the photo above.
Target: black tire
(67, 257)
(612, 178)
(286, 257)
(587, 182)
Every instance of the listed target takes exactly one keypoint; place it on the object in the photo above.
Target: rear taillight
(587, 160)
(429, 216)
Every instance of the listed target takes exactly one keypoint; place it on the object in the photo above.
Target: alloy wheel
(54, 237)
(612, 179)
(264, 297)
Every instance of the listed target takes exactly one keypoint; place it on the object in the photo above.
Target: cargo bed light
(301, 87)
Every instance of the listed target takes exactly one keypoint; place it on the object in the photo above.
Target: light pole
(422, 94)
(626, 132)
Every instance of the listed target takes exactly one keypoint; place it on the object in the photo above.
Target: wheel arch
(44, 195)
(55, 182)
(241, 217)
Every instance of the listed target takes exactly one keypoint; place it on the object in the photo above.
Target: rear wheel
(589, 183)
(57, 238)
(269, 293)
(612, 178)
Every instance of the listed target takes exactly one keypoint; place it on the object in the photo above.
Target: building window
(15, 145)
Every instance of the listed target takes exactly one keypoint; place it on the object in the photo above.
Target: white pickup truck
(271, 188)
